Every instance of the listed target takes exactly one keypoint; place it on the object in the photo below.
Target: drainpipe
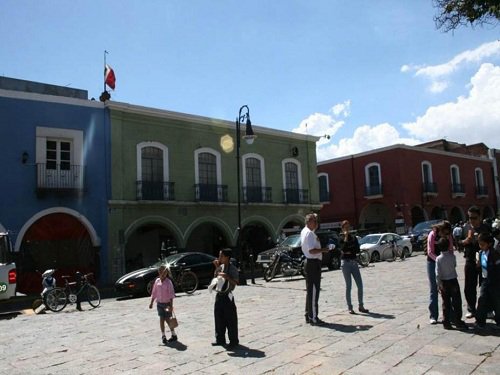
(492, 156)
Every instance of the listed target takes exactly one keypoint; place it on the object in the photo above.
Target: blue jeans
(351, 268)
(433, 301)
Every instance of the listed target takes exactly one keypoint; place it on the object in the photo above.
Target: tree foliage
(454, 13)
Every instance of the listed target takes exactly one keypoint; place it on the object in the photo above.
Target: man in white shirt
(312, 250)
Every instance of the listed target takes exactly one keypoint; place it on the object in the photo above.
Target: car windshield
(171, 259)
(370, 239)
(292, 241)
(424, 225)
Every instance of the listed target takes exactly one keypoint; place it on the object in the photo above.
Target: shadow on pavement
(346, 328)
(177, 345)
(245, 352)
(9, 315)
(380, 316)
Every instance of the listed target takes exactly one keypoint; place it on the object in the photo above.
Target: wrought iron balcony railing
(458, 189)
(256, 194)
(59, 177)
(210, 193)
(429, 188)
(295, 196)
(481, 190)
(373, 190)
(155, 190)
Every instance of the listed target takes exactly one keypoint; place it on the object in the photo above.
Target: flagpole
(104, 80)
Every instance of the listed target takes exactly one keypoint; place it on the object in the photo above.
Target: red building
(400, 186)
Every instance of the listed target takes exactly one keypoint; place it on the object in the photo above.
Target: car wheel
(149, 287)
(375, 257)
(334, 263)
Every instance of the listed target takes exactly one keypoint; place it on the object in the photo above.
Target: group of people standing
(482, 267)
(312, 250)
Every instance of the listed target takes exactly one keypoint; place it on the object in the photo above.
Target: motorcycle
(284, 263)
(48, 283)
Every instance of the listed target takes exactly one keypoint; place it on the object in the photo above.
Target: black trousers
(471, 274)
(226, 317)
(452, 301)
(313, 284)
(489, 300)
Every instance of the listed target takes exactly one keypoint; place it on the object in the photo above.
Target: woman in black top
(349, 247)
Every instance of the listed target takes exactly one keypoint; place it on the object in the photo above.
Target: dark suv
(419, 233)
(331, 259)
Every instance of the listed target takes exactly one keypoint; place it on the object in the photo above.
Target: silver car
(381, 246)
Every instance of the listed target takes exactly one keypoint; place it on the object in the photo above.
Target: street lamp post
(249, 137)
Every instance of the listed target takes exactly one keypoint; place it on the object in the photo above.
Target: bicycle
(184, 279)
(397, 251)
(363, 258)
(57, 298)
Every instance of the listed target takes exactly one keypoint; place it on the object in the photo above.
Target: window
(324, 193)
(456, 186)
(481, 189)
(373, 185)
(429, 187)
(208, 176)
(59, 159)
(153, 173)
(254, 189)
(292, 182)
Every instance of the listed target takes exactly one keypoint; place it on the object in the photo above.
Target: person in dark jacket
(489, 291)
(349, 248)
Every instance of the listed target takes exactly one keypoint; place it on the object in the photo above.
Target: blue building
(54, 155)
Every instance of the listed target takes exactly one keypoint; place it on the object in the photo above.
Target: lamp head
(249, 136)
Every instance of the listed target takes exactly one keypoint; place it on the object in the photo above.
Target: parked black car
(141, 281)
(419, 233)
(331, 259)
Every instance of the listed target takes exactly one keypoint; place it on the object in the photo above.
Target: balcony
(481, 191)
(256, 194)
(429, 189)
(210, 193)
(373, 191)
(60, 178)
(457, 190)
(155, 191)
(299, 196)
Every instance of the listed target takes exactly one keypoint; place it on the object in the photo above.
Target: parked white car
(380, 246)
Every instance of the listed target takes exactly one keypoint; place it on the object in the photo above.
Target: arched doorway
(147, 244)
(438, 213)
(417, 215)
(207, 238)
(59, 241)
(376, 217)
(488, 213)
(254, 239)
(456, 215)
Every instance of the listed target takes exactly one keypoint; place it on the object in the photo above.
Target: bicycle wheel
(93, 296)
(56, 299)
(188, 282)
(364, 258)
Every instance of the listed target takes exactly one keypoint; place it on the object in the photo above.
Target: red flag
(109, 77)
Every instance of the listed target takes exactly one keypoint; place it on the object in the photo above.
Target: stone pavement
(122, 335)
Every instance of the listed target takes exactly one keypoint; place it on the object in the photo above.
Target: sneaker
(433, 321)
(164, 339)
(363, 310)
(469, 315)
(172, 339)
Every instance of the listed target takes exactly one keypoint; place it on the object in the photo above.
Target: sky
(367, 74)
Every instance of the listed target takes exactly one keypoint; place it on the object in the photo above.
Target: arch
(324, 196)
(488, 212)
(376, 216)
(260, 220)
(438, 212)
(96, 241)
(368, 181)
(454, 174)
(299, 219)
(213, 220)
(418, 215)
(427, 172)
(169, 224)
(457, 215)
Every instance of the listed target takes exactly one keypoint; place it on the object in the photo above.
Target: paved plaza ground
(122, 335)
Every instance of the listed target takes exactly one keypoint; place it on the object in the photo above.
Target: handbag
(172, 321)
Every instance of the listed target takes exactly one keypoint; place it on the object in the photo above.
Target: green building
(174, 186)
